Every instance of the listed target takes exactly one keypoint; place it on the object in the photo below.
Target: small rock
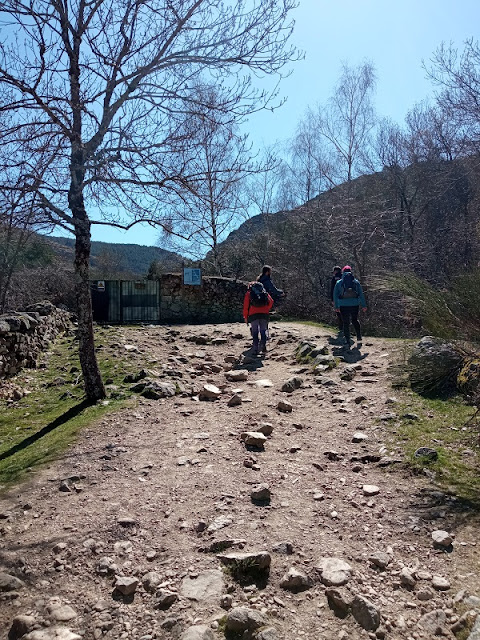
(440, 584)
(206, 585)
(254, 439)
(426, 453)
(264, 383)
(359, 436)
(339, 600)
(365, 613)
(126, 585)
(209, 392)
(285, 548)
(284, 407)
(151, 581)
(370, 490)
(295, 580)
(239, 375)
(235, 401)
(53, 633)
(106, 566)
(20, 626)
(434, 622)
(65, 487)
(165, 599)
(266, 428)
(260, 493)
(360, 399)
(247, 563)
(61, 612)
(242, 619)
(407, 578)
(9, 583)
(292, 384)
(226, 601)
(126, 521)
(424, 594)
(441, 539)
(380, 559)
(198, 632)
(334, 572)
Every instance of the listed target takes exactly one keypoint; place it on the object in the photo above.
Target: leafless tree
(94, 91)
(218, 161)
(456, 75)
(347, 120)
(20, 220)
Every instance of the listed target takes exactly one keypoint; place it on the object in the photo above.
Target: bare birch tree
(94, 89)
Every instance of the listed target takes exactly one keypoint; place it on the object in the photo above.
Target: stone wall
(216, 300)
(25, 334)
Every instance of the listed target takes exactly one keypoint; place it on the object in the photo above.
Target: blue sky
(396, 35)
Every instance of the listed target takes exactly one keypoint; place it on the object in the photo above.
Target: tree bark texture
(94, 388)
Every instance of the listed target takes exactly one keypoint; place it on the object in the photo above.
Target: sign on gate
(192, 276)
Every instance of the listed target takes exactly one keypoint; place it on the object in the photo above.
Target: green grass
(308, 323)
(451, 313)
(59, 408)
(442, 425)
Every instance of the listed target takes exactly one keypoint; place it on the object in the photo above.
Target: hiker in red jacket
(256, 307)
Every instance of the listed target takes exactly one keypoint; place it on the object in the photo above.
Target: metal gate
(126, 301)
(139, 301)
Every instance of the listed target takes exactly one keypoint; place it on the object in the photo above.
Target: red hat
(346, 268)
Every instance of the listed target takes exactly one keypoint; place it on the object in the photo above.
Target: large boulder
(434, 366)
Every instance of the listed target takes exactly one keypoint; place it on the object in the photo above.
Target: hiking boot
(263, 348)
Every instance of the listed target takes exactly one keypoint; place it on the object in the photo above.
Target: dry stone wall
(216, 300)
(25, 334)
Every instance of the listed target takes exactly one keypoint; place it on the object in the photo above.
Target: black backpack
(349, 287)
(258, 295)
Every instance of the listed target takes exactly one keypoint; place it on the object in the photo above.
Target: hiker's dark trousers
(259, 326)
(350, 314)
(339, 320)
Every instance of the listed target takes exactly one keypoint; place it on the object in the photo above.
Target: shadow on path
(65, 417)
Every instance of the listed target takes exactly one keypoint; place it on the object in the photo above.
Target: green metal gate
(126, 301)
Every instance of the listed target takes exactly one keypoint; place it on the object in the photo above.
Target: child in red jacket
(256, 307)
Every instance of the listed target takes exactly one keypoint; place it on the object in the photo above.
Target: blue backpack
(349, 287)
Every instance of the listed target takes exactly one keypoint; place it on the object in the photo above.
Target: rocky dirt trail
(285, 515)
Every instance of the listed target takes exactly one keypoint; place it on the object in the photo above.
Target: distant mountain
(131, 260)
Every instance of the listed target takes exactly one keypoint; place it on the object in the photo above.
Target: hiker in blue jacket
(348, 298)
(266, 279)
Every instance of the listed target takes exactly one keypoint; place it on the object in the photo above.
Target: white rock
(254, 439)
(207, 585)
(209, 392)
(442, 538)
(359, 436)
(334, 572)
(440, 584)
(370, 490)
(53, 633)
(239, 375)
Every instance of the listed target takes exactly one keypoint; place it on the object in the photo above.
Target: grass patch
(308, 323)
(442, 425)
(55, 409)
(451, 313)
